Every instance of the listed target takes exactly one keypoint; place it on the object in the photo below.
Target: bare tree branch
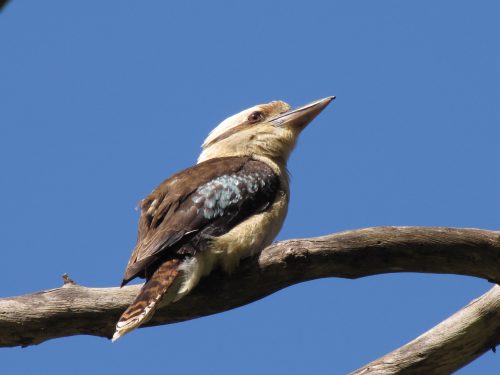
(448, 346)
(74, 309)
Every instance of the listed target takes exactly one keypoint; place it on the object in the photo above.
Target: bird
(230, 205)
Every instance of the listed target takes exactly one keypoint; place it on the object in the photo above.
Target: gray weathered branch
(448, 346)
(73, 309)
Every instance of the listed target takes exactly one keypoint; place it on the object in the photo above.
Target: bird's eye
(255, 117)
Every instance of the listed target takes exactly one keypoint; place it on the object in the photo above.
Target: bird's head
(266, 130)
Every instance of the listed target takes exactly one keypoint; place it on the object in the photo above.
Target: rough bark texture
(73, 309)
(448, 346)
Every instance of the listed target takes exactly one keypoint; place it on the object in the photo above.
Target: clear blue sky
(101, 100)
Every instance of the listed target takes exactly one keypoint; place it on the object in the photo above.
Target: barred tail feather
(147, 301)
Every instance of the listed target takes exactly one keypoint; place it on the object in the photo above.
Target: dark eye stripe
(230, 132)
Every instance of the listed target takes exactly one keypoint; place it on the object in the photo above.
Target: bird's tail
(146, 302)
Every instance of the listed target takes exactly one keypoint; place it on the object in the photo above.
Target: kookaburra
(228, 206)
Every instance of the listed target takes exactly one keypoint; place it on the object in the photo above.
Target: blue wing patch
(214, 197)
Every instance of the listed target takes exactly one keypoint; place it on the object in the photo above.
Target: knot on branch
(67, 281)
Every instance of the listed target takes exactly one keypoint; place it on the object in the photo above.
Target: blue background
(101, 100)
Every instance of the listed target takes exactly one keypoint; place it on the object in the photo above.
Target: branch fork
(475, 329)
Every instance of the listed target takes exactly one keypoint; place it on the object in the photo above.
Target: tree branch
(448, 346)
(74, 309)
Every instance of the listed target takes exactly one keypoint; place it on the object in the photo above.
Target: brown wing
(205, 200)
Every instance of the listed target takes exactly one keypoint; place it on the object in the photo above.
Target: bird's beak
(300, 117)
